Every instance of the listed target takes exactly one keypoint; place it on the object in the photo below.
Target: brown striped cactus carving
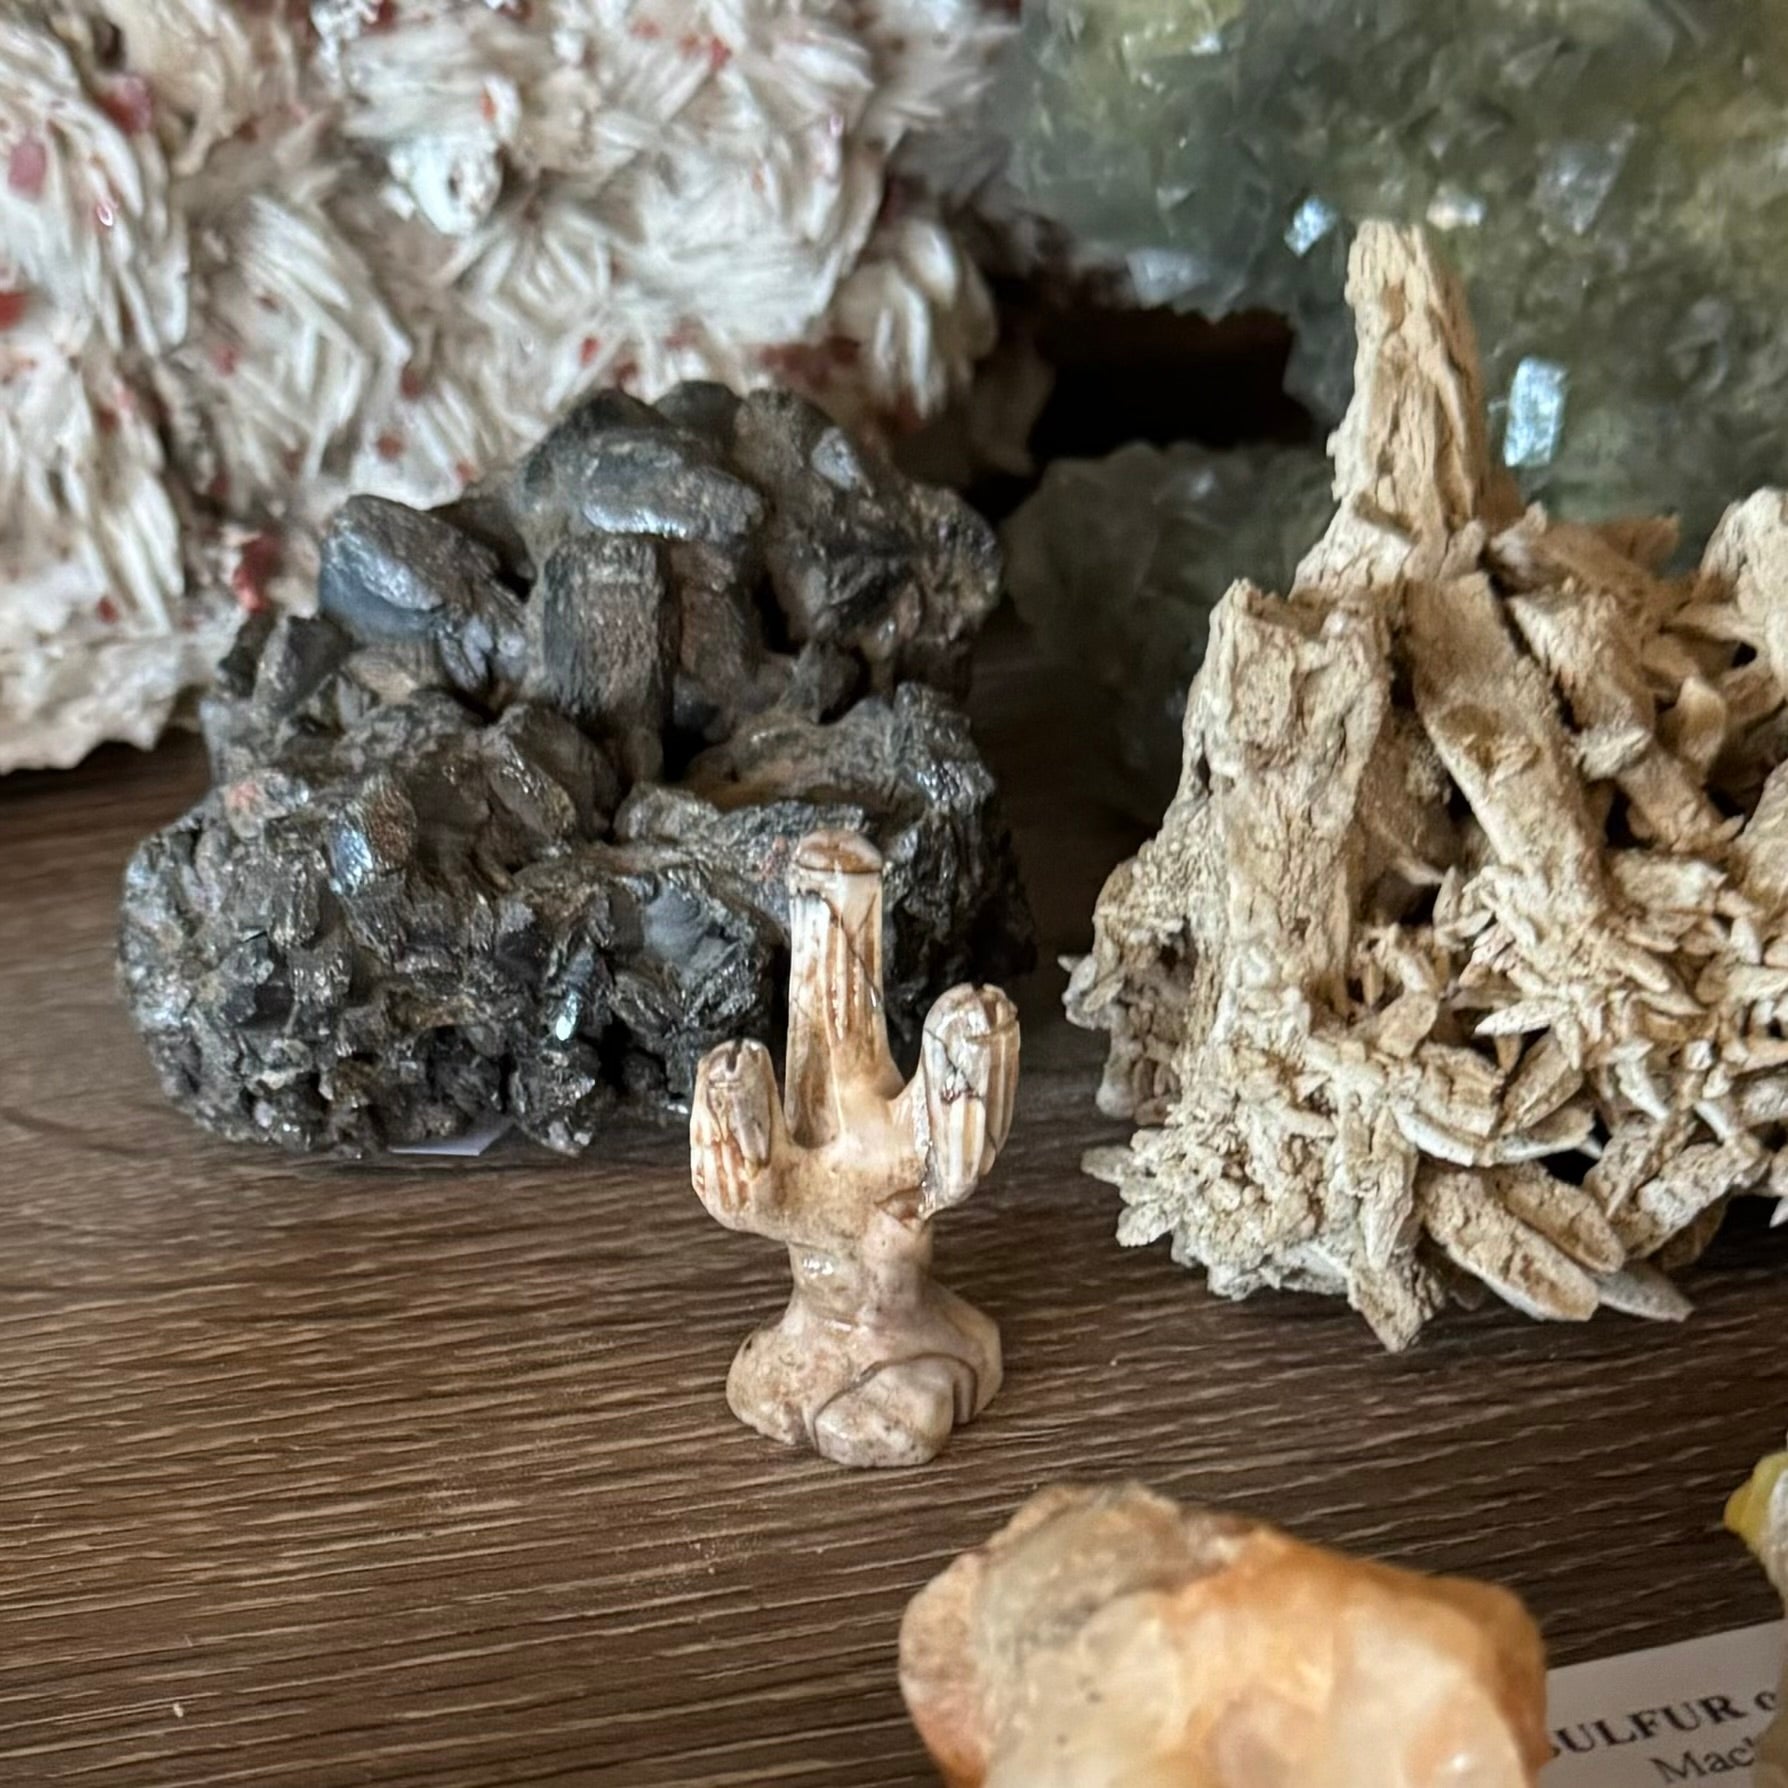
(873, 1362)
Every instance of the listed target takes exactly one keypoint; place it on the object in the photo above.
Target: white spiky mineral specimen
(1110, 1639)
(1462, 953)
(253, 258)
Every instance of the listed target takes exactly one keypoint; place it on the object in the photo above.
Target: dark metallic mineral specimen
(504, 827)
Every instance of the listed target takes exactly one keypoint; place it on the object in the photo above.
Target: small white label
(468, 1142)
(1677, 1714)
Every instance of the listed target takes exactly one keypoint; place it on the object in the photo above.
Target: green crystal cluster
(1611, 176)
(1118, 562)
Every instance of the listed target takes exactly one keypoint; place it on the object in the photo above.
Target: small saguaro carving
(872, 1363)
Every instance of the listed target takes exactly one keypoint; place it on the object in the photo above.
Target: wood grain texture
(422, 1473)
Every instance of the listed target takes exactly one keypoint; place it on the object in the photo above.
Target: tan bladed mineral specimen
(1461, 957)
(1107, 1638)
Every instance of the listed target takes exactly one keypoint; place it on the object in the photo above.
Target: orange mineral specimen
(1107, 1638)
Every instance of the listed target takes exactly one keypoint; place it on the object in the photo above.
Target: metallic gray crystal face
(1611, 176)
(504, 828)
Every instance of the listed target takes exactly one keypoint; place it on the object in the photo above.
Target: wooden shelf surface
(421, 1472)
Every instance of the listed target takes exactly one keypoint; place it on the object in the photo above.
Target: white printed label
(467, 1143)
(1677, 1714)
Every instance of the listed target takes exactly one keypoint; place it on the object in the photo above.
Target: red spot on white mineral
(103, 213)
(626, 373)
(897, 201)
(384, 16)
(588, 349)
(218, 490)
(13, 306)
(26, 166)
(129, 104)
(225, 356)
(105, 419)
(465, 471)
(719, 55)
(255, 564)
(410, 381)
(649, 30)
(683, 336)
(389, 445)
(106, 609)
(487, 106)
(807, 364)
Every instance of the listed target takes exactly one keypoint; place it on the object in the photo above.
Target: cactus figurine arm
(968, 1065)
(738, 1140)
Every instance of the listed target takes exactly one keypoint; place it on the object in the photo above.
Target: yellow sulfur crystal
(1747, 1510)
(1758, 1514)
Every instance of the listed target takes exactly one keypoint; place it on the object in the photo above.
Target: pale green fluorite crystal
(1610, 175)
(1118, 562)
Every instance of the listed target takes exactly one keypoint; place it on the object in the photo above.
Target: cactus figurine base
(860, 1393)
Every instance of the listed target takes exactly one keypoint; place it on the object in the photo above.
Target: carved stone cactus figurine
(1107, 1638)
(872, 1363)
